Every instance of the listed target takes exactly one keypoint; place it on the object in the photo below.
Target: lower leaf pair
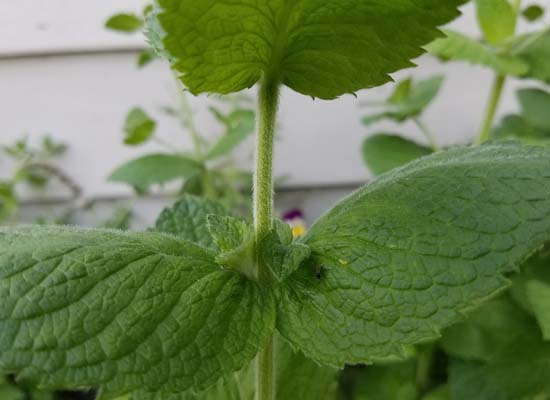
(386, 268)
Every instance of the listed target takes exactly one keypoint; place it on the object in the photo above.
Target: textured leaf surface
(154, 169)
(497, 19)
(139, 127)
(123, 311)
(384, 152)
(316, 47)
(458, 47)
(401, 258)
(187, 220)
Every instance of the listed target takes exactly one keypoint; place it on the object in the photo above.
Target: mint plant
(183, 310)
(208, 170)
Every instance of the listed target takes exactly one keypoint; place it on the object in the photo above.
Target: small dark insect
(318, 271)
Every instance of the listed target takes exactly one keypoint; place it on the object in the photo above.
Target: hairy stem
(263, 214)
(494, 100)
(427, 134)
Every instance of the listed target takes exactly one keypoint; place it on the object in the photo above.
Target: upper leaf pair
(316, 47)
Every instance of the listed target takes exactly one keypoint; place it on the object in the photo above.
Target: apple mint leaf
(403, 257)
(383, 152)
(295, 377)
(517, 367)
(533, 12)
(235, 239)
(318, 48)
(238, 126)
(187, 220)
(458, 47)
(123, 311)
(534, 50)
(497, 19)
(128, 23)
(139, 127)
(531, 289)
(409, 100)
(152, 169)
(281, 255)
(145, 57)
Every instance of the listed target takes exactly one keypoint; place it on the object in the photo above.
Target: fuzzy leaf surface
(123, 311)
(403, 257)
(187, 219)
(318, 48)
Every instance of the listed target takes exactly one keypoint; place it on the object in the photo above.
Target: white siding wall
(62, 73)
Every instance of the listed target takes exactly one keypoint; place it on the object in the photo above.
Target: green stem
(263, 214)
(494, 100)
(186, 117)
(427, 133)
(496, 93)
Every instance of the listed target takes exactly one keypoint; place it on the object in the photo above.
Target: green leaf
(10, 392)
(388, 382)
(458, 47)
(128, 23)
(123, 311)
(408, 100)
(238, 42)
(403, 257)
(531, 289)
(534, 50)
(383, 152)
(139, 127)
(535, 107)
(517, 369)
(297, 377)
(154, 169)
(480, 336)
(187, 220)
(279, 254)
(8, 200)
(239, 125)
(439, 393)
(401, 91)
(515, 127)
(533, 13)
(146, 57)
(235, 239)
(497, 19)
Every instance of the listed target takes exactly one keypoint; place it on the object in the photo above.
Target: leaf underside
(123, 311)
(320, 48)
(403, 257)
